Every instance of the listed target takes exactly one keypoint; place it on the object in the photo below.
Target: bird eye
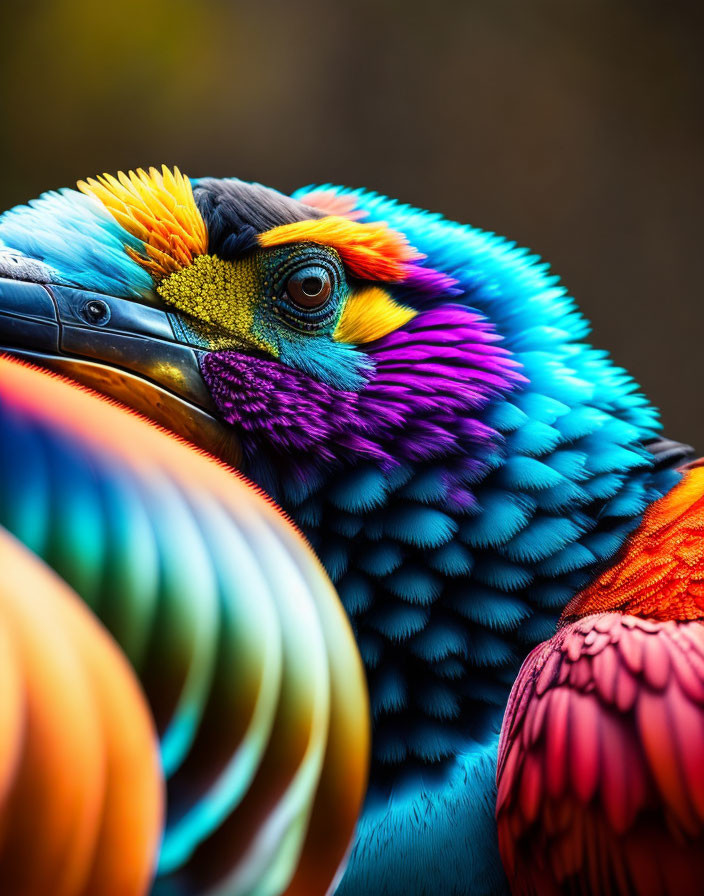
(310, 287)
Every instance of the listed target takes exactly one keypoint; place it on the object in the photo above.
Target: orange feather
(370, 251)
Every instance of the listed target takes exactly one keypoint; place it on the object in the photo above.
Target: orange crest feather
(158, 208)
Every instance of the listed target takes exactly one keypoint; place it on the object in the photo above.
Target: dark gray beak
(126, 350)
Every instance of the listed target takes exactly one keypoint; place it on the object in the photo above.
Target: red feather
(617, 756)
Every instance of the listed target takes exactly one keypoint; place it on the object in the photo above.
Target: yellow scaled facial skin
(221, 299)
(251, 303)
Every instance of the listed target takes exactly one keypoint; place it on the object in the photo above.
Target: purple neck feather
(429, 380)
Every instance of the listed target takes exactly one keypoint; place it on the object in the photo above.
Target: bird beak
(126, 350)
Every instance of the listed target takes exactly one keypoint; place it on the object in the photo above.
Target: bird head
(321, 338)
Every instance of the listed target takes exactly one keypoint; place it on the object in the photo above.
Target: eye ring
(309, 307)
(309, 288)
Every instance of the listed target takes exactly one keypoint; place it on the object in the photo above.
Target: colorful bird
(418, 398)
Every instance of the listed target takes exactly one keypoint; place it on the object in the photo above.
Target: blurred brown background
(576, 128)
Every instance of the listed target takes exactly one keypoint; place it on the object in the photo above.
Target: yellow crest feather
(158, 208)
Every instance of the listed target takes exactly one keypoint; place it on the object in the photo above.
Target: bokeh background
(576, 128)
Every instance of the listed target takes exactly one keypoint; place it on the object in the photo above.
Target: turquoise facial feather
(79, 241)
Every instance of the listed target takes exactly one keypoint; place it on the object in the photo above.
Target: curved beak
(126, 350)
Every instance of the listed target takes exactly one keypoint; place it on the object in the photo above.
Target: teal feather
(503, 514)
(551, 595)
(488, 649)
(491, 608)
(356, 593)
(423, 527)
(519, 472)
(359, 490)
(398, 621)
(346, 524)
(371, 648)
(310, 513)
(414, 585)
(545, 536)
(439, 701)
(439, 642)
(451, 559)
(429, 486)
(335, 557)
(533, 439)
(505, 417)
(629, 502)
(604, 486)
(502, 574)
(381, 559)
(574, 556)
(560, 499)
(538, 627)
(392, 693)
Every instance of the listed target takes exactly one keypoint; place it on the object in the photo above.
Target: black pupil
(312, 286)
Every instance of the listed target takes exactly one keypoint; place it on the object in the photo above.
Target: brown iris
(309, 287)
